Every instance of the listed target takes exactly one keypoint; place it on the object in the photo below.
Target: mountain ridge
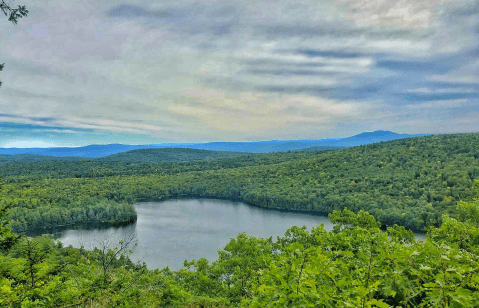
(98, 150)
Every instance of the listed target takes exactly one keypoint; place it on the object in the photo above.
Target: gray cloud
(329, 54)
(329, 67)
(288, 72)
(134, 11)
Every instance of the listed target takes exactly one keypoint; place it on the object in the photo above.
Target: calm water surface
(170, 232)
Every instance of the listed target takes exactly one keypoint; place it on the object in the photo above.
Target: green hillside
(139, 155)
(415, 182)
(323, 148)
(409, 182)
(29, 158)
(167, 154)
(94, 168)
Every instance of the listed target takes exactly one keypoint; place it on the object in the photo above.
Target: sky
(143, 72)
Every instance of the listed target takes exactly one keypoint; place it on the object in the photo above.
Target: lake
(170, 232)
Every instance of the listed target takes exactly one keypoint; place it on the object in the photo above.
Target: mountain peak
(376, 133)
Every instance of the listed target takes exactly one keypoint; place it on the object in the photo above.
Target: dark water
(173, 231)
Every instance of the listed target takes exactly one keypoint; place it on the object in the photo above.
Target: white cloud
(441, 91)
(438, 104)
(409, 14)
(202, 71)
(29, 144)
(259, 112)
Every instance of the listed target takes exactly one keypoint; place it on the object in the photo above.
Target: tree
(13, 16)
(7, 238)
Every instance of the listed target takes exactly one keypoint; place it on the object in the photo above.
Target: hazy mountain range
(93, 151)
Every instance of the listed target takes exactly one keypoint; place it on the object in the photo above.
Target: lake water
(170, 232)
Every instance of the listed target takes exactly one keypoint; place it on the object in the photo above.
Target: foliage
(167, 154)
(355, 265)
(7, 238)
(367, 260)
(13, 13)
(408, 182)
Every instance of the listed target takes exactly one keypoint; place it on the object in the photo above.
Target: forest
(137, 155)
(374, 194)
(357, 264)
(408, 182)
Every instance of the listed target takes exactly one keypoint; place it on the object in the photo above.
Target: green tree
(7, 238)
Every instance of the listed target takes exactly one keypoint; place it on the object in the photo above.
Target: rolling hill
(93, 151)
(32, 158)
(409, 182)
(167, 154)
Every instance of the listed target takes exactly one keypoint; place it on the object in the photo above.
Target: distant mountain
(260, 146)
(292, 145)
(167, 154)
(372, 137)
(93, 151)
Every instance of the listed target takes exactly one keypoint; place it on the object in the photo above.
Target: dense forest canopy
(367, 260)
(138, 155)
(409, 182)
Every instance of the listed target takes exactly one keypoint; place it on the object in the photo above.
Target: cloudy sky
(137, 72)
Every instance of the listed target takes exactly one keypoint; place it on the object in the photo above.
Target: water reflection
(173, 231)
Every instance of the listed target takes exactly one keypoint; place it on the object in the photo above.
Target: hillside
(320, 148)
(167, 154)
(99, 150)
(410, 182)
(263, 146)
(370, 137)
(355, 265)
(33, 158)
(94, 168)
(361, 262)
(96, 150)
(292, 145)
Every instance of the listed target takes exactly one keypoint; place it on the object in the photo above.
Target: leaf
(430, 285)
(296, 246)
(378, 303)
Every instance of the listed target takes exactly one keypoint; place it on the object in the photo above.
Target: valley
(409, 182)
(374, 194)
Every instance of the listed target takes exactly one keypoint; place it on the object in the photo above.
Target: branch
(66, 264)
(15, 14)
(300, 272)
(138, 277)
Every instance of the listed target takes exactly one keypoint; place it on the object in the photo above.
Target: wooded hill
(357, 264)
(32, 158)
(168, 154)
(409, 182)
(139, 155)
(101, 150)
